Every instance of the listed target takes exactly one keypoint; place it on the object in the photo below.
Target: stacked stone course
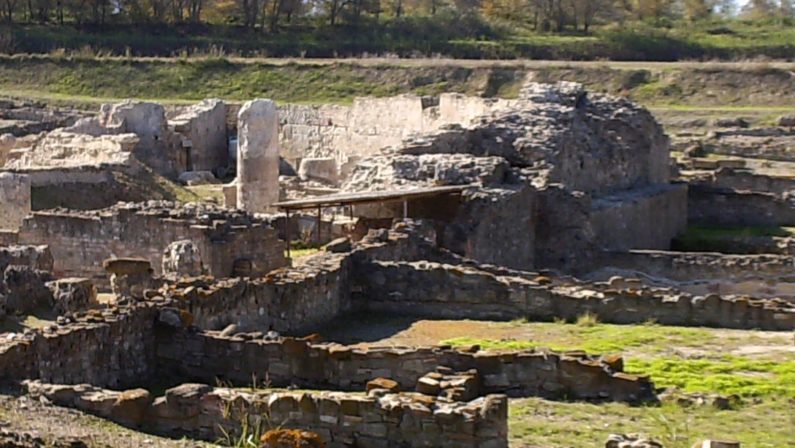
(340, 419)
(451, 292)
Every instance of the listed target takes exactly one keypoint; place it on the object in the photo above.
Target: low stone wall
(722, 207)
(108, 348)
(452, 292)
(89, 175)
(641, 219)
(748, 180)
(340, 419)
(287, 300)
(81, 241)
(35, 257)
(689, 266)
(209, 356)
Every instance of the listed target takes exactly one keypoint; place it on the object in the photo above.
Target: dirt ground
(376, 330)
(61, 425)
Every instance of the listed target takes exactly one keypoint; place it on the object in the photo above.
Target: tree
(759, 9)
(651, 9)
(786, 8)
(9, 7)
(726, 8)
(334, 8)
(695, 10)
(587, 10)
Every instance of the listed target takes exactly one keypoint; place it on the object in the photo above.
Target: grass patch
(600, 338)
(88, 80)
(300, 253)
(178, 80)
(537, 422)
(713, 372)
(728, 375)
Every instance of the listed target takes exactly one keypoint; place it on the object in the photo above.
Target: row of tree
(542, 15)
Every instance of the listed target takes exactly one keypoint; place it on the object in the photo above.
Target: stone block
(73, 294)
(131, 407)
(321, 168)
(383, 383)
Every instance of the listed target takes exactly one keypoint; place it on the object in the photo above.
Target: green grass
(181, 80)
(656, 351)
(88, 80)
(600, 338)
(537, 422)
(727, 375)
(300, 253)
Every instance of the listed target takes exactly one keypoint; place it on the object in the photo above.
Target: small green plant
(587, 320)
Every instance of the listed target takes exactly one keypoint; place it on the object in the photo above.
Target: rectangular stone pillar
(14, 200)
(257, 156)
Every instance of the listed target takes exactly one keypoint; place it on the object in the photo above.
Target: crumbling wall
(203, 127)
(688, 266)
(14, 200)
(287, 301)
(495, 227)
(731, 208)
(359, 130)
(450, 292)
(34, 257)
(646, 218)
(158, 146)
(110, 348)
(62, 148)
(590, 158)
(748, 180)
(81, 241)
(456, 108)
(339, 419)
(207, 357)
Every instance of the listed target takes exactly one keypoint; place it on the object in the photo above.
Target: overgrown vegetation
(726, 375)
(449, 34)
(201, 78)
(88, 80)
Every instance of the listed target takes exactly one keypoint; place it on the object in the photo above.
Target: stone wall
(289, 300)
(208, 356)
(689, 266)
(747, 180)
(490, 230)
(81, 241)
(722, 207)
(346, 132)
(14, 200)
(35, 257)
(642, 218)
(451, 292)
(109, 348)
(204, 132)
(340, 419)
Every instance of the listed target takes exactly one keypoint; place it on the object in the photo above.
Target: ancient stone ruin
(193, 319)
